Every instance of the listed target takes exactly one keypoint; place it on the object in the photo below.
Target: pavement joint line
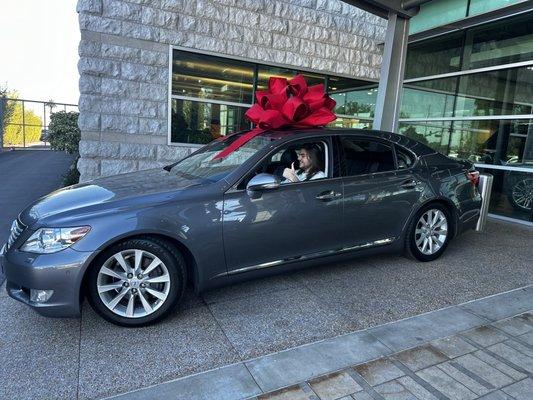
(512, 343)
(426, 385)
(511, 384)
(513, 338)
(367, 330)
(364, 384)
(497, 356)
(308, 390)
(498, 294)
(472, 375)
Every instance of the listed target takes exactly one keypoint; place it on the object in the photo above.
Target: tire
(425, 243)
(137, 282)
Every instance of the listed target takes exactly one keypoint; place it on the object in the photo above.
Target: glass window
(436, 13)
(435, 134)
(483, 6)
(511, 193)
(198, 122)
(499, 142)
(338, 83)
(363, 156)
(429, 99)
(353, 123)
(501, 92)
(264, 72)
(208, 77)
(434, 56)
(202, 165)
(358, 103)
(502, 42)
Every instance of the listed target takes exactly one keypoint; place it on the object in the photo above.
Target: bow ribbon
(286, 103)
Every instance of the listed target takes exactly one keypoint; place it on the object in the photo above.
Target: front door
(295, 221)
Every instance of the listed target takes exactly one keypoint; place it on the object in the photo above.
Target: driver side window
(295, 162)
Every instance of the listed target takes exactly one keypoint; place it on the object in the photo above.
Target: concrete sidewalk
(482, 349)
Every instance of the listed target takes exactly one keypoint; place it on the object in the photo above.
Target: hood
(106, 190)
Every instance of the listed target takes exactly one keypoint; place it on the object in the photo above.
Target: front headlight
(52, 240)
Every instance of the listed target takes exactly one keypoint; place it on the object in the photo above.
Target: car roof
(415, 146)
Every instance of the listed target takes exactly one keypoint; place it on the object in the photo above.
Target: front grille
(16, 229)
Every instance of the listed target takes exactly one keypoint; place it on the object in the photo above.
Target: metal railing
(24, 123)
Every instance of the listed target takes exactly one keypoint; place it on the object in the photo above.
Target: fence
(24, 123)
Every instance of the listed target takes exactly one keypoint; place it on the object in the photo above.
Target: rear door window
(361, 156)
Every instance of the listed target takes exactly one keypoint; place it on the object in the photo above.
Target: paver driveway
(90, 358)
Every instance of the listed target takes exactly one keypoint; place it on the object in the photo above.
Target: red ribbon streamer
(286, 103)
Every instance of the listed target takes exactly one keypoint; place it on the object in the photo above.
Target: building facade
(159, 77)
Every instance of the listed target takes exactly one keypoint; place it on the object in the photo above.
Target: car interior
(366, 157)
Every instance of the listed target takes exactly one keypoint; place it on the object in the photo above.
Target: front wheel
(428, 233)
(136, 282)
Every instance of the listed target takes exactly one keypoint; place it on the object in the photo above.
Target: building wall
(124, 52)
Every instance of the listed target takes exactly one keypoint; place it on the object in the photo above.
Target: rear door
(379, 191)
(293, 222)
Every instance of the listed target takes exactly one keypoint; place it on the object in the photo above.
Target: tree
(9, 106)
(20, 126)
(64, 134)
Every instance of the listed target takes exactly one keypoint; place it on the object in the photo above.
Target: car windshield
(202, 165)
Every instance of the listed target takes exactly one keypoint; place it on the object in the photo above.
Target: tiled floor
(489, 362)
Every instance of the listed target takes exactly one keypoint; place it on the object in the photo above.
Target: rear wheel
(136, 282)
(428, 233)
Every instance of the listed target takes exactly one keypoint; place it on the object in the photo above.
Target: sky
(39, 49)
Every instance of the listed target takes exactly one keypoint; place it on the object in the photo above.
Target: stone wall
(124, 52)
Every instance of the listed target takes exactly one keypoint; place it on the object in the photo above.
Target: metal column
(392, 69)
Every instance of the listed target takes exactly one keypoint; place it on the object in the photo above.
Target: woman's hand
(290, 174)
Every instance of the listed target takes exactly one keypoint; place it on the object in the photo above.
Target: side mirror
(261, 182)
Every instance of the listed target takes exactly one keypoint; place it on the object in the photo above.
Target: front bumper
(61, 272)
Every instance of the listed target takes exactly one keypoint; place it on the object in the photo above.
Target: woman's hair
(312, 150)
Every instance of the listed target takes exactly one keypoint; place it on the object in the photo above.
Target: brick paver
(490, 362)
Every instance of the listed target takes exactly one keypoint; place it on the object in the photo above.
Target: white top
(302, 176)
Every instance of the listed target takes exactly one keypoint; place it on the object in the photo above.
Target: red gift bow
(286, 103)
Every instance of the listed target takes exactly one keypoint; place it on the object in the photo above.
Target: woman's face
(303, 159)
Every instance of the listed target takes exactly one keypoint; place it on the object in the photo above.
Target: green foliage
(9, 107)
(63, 131)
(20, 126)
(64, 134)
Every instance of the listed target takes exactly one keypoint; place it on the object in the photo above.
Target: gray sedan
(285, 199)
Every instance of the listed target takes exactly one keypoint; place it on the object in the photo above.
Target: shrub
(64, 134)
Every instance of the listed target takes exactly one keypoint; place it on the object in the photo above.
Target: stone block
(453, 346)
(97, 149)
(210, 43)
(283, 42)
(520, 390)
(89, 121)
(89, 6)
(253, 5)
(149, 91)
(485, 335)
(152, 126)
(242, 49)
(517, 325)
(96, 23)
(421, 357)
(485, 371)
(115, 167)
(136, 151)
(290, 393)
(394, 390)
(300, 29)
(120, 52)
(173, 37)
(90, 84)
(90, 103)
(118, 87)
(143, 164)
(118, 123)
(446, 384)
(172, 153)
(139, 72)
(187, 23)
(88, 48)
(413, 387)
(203, 26)
(154, 58)
(89, 168)
(307, 47)
(243, 17)
(333, 386)
(208, 9)
(139, 31)
(470, 383)
(160, 18)
(270, 24)
(121, 10)
(98, 67)
(322, 64)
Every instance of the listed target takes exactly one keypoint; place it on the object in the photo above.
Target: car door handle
(328, 195)
(409, 184)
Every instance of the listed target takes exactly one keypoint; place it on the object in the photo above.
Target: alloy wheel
(431, 231)
(523, 194)
(133, 283)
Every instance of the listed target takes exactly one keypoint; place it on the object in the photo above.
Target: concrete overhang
(382, 8)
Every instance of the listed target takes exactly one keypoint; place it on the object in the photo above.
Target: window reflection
(435, 134)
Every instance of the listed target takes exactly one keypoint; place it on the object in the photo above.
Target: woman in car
(309, 166)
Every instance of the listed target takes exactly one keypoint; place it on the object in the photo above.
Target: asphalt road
(26, 175)
(89, 358)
